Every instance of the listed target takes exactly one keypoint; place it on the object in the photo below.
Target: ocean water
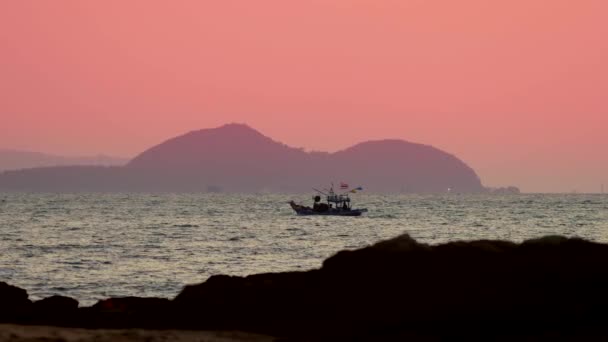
(93, 246)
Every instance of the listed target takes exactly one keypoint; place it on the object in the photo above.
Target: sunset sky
(518, 89)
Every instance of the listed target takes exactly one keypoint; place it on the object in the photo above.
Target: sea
(95, 246)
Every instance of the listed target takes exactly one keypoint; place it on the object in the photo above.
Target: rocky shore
(547, 288)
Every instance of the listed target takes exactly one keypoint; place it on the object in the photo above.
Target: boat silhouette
(334, 205)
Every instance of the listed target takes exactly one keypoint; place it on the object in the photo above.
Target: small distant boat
(336, 205)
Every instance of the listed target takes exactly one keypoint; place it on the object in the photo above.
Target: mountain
(16, 160)
(237, 158)
(400, 166)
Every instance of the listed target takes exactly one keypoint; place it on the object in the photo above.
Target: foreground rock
(403, 288)
(55, 309)
(14, 302)
(396, 289)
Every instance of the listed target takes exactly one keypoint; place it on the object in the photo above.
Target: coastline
(392, 290)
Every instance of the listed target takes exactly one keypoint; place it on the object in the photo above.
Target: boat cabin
(338, 201)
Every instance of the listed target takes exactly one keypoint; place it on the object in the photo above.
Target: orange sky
(515, 88)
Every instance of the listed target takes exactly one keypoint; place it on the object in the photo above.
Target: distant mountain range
(16, 160)
(237, 158)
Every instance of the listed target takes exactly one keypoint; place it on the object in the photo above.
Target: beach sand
(23, 333)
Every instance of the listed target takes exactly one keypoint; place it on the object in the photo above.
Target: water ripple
(98, 245)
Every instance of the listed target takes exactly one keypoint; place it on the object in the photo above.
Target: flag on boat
(343, 186)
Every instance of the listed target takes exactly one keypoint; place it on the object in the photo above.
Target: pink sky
(516, 88)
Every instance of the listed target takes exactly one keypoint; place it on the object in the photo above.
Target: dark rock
(401, 287)
(14, 303)
(131, 305)
(12, 295)
(260, 302)
(547, 288)
(54, 310)
(56, 305)
(128, 312)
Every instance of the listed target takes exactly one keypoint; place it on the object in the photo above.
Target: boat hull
(356, 212)
(307, 211)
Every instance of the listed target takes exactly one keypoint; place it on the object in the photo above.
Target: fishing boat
(335, 205)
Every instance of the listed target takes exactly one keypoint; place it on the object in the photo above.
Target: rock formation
(393, 290)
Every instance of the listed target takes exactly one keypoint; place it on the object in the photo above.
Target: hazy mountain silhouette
(16, 160)
(236, 158)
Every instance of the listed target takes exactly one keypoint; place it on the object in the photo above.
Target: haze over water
(94, 246)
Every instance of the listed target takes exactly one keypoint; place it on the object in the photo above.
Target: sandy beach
(24, 333)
